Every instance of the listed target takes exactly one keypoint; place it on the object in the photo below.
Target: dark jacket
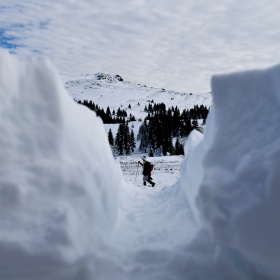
(147, 169)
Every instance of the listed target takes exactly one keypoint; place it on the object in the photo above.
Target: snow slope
(67, 212)
(107, 90)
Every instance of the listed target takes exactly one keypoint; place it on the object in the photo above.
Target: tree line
(162, 125)
(108, 117)
(197, 112)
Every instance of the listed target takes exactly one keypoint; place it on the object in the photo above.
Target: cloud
(176, 45)
(7, 41)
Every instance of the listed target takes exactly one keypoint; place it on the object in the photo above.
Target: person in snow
(146, 171)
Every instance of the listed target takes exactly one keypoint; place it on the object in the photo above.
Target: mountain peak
(108, 77)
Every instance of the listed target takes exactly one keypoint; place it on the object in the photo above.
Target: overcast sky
(172, 44)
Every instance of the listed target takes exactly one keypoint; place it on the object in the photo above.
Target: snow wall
(58, 181)
(59, 184)
(231, 176)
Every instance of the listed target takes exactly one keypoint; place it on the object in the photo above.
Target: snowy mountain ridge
(111, 90)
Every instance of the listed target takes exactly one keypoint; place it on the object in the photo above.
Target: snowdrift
(57, 202)
(237, 202)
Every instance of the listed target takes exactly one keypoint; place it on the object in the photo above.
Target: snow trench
(67, 213)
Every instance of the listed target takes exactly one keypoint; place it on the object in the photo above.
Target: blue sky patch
(7, 42)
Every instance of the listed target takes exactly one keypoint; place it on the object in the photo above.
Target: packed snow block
(238, 199)
(58, 181)
(191, 170)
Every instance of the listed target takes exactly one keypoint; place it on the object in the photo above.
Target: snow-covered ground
(166, 169)
(69, 210)
(144, 210)
(106, 90)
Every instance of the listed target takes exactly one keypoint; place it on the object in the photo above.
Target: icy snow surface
(68, 213)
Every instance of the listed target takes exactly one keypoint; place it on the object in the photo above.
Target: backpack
(151, 166)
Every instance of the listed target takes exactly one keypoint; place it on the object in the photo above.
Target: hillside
(111, 90)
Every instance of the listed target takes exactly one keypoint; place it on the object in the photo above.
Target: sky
(177, 45)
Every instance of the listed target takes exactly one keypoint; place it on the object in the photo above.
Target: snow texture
(57, 204)
(192, 170)
(67, 212)
(238, 198)
(243, 168)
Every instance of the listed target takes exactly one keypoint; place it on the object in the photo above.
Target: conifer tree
(108, 111)
(126, 139)
(119, 113)
(119, 143)
(194, 124)
(132, 141)
(110, 138)
(170, 148)
(178, 148)
(143, 136)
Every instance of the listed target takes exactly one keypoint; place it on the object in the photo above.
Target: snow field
(114, 93)
(147, 207)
